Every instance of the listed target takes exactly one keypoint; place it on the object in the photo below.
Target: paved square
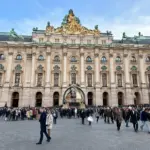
(69, 134)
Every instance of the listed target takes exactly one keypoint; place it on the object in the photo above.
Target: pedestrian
(90, 119)
(97, 116)
(49, 122)
(118, 116)
(43, 126)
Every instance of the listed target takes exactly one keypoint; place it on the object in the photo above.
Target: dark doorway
(105, 99)
(38, 99)
(56, 99)
(137, 98)
(15, 99)
(120, 98)
(90, 98)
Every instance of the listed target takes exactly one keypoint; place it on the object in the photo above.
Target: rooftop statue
(13, 35)
(71, 25)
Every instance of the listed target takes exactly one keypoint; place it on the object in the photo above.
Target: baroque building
(73, 64)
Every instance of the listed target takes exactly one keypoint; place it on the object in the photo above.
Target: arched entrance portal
(120, 98)
(137, 98)
(105, 99)
(15, 99)
(56, 99)
(90, 98)
(38, 99)
(74, 97)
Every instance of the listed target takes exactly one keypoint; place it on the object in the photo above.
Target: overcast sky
(118, 16)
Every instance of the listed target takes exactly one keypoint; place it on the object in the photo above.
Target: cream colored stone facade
(133, 59)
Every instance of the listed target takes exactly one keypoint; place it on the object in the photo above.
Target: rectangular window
(149, 80)
(119, 79)
(73, 41)
(1, 78)
(104, 79)
(73, 78)
(39, 79)
(89, 79)
(40, 40)
(56, 40)
(56, 79)
(103, 42)
(134, 78)
(88, 41)
(17, 79)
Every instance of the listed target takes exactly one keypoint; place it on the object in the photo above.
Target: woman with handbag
(49, 122)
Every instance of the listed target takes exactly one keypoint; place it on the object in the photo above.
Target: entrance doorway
(105, 99)
(15, 99)
(137, 98)
(90, 98)
(56, 99)
(38, 99)
(120, 98)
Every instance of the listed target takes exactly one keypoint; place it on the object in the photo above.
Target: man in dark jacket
(134, 119)
(43, 126)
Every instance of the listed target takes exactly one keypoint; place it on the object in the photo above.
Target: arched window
(2, 57)
(118, 59)
(56, 79)
(73, 78)
(19, 57)
(89, 79)
(103, 60)
(133, 59)
(88, 59)
(73, 59)
(148, 59)
(56, 59)
(41, 57)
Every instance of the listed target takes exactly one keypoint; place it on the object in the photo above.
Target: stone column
(112, 75)
(48, 67)
(97, 77)
(33, 69)
(65, 67)
(82, 67)
(142, 71)
(127, 77)
(9, 69)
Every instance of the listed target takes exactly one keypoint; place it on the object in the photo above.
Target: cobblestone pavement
(69, 134)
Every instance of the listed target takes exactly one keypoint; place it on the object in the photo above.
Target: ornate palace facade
(73, 63)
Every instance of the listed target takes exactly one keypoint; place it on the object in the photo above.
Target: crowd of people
(48, 116)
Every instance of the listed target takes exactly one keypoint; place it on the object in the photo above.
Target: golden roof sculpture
(71, 25)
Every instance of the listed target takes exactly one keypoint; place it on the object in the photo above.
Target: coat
(42, 121)
(49, 121)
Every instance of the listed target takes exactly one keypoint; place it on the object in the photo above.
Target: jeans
(127, 122)
(145, 123)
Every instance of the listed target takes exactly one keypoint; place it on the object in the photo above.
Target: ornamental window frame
(41, 58)
(56, 59)
(40, 71)
(73, 59)
(89, 59)
(103, 59)
(17, 79)
(19, 57)
(2, 57)
(118, 59)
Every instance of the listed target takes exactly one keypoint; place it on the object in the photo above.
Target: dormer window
(19, 57)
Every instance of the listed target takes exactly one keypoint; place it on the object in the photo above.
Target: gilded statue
(71, 25)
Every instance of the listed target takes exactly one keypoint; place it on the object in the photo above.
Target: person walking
(134, 119)
(97, 116)
(43, 126)
(49, 122)
(118, 117)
